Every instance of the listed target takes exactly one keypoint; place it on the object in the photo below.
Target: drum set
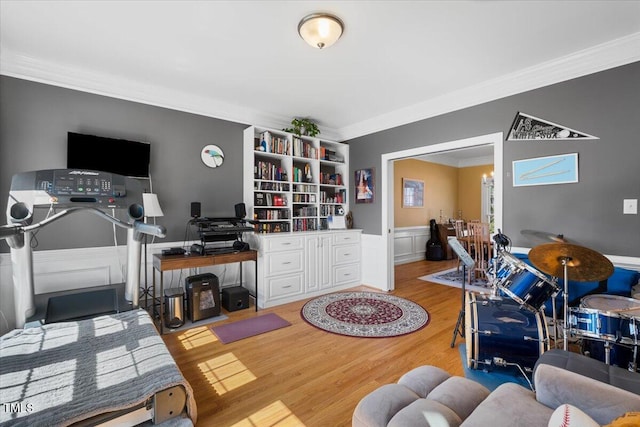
(509, 326)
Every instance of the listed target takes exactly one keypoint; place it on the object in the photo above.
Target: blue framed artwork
(561, 169)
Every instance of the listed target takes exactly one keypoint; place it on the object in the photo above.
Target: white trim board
(386, 191)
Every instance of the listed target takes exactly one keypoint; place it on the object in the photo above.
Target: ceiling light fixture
(320, 30)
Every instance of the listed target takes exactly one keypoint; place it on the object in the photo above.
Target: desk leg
(161, 302)
(256, 282)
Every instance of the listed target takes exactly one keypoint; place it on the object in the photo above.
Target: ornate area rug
(453, 277)
(365, 314)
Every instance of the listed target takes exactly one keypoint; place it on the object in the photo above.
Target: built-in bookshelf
(296, 183)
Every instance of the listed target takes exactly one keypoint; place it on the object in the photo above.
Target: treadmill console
(75, 187)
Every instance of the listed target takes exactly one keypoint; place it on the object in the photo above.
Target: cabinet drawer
(346, 254)
(285, 286)
(346, 273)
(283, 243)
(346, 238)
(283, 262)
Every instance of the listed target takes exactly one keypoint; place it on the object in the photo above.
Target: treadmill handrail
(140, 227)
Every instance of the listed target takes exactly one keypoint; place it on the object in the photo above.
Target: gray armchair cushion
(510, 405)
(378, 407)
(602, 402)
(425, 413)
(591, 368)
(459, 394)
(423, 379)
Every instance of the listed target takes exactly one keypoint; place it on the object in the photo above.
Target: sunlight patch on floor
(197, 337)
(276, 414)
(226, 373)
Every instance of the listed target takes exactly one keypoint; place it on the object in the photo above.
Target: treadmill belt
(81, 305)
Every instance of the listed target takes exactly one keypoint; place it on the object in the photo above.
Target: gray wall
(35, 119)
(605, 104)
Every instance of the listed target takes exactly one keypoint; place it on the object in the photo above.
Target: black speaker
(241, 210)
(235, 298)
(195, 209)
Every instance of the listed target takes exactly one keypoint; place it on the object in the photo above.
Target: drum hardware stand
(499, 361)
(467, 261)
(565, 298)
(459, 329)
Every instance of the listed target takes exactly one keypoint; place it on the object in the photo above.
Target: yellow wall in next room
(440, 192)
(448, 192)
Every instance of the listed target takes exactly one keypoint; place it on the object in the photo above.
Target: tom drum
(523, 283)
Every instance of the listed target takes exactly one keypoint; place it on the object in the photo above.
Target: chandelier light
(320, 30)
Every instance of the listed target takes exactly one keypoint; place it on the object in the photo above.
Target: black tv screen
(120, 156)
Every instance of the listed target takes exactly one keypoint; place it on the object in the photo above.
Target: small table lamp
(152, 209)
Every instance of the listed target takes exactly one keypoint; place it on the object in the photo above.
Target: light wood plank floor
(302, 376)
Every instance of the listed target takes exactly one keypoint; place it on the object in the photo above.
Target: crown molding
(608, 55)
(90, 81)
(615, 53)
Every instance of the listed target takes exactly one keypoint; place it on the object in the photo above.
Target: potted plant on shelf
(302, 127)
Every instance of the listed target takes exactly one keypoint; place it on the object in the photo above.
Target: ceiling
(397, 62)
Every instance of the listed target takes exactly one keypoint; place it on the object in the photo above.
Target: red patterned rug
(365, 314)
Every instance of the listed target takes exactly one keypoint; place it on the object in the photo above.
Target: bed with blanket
(100, 370)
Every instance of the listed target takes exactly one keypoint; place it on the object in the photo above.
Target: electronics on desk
(221, 235)
(173, 251)
(203, 296)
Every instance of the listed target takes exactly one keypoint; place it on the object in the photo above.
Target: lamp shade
(151, 205)
(320, 30)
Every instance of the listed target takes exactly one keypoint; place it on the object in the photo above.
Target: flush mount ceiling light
(320, 30)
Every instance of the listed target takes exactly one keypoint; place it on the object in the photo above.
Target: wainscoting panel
(409, 244)
(70, 269)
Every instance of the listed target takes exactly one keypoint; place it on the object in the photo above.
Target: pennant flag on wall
(529, 128)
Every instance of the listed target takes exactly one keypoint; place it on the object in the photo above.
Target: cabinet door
(318, 263)
(324, 262)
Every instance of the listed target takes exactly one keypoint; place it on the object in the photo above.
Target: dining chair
(480, 248)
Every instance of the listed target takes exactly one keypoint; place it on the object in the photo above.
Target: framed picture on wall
(562, 169)
(412, 193)
(364, 185)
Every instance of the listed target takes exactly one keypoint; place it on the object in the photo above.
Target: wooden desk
(162, 263)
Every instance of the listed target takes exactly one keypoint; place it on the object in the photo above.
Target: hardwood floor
(302, 376)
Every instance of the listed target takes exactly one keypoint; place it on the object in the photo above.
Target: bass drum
(501, 329)
(620, 355)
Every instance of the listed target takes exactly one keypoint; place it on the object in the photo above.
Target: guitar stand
(460, 324)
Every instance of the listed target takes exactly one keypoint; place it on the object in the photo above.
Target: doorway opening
(387, 190)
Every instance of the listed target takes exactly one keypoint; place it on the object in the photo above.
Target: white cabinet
(294, 266)
(293, 183)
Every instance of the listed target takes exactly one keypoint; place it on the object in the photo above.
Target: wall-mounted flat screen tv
(120, 156)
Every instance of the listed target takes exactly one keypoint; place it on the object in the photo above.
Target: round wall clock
(212, 156)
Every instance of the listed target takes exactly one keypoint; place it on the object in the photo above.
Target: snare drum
(523, 283)
(606, 317)
(501, 329)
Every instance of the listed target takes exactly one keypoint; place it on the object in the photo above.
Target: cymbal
(544, 236)
(584, 264)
